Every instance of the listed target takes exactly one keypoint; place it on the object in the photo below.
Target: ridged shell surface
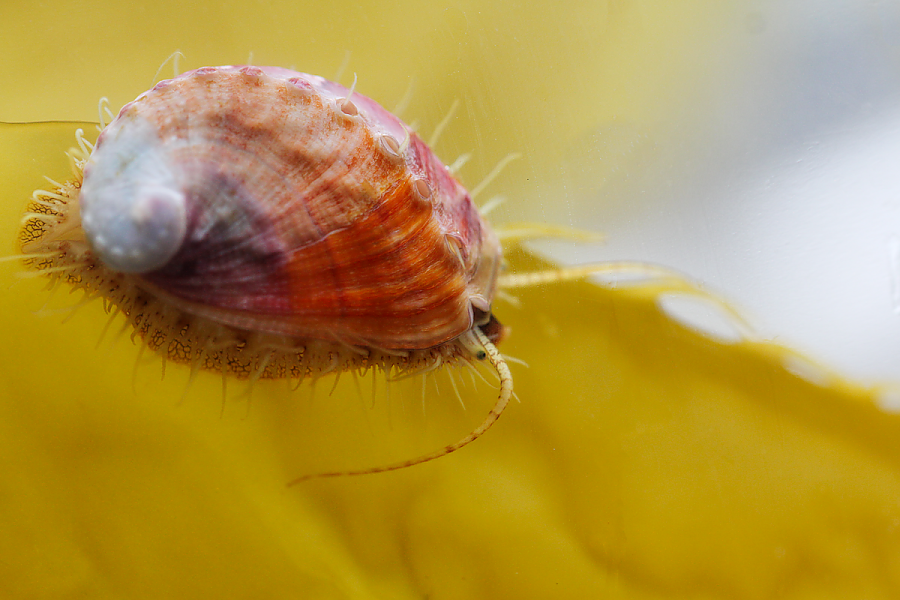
(262, 199)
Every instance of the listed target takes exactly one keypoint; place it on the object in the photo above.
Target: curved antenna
(650, 270)
(346, 104)
(458, 164)
(105, 113)
(515, 233)
(490, 176)
(352, 89)
(403, 104)
(481, 348)
(433, 140)
(174, 58)
(344, 64)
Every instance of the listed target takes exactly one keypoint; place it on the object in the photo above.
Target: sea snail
(266, 223)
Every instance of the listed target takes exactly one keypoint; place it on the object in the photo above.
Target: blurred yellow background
(644, 460)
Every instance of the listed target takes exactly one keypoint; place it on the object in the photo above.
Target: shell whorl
(263, 199)
(133, 208)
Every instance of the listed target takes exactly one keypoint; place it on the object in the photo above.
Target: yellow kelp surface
(643, 461)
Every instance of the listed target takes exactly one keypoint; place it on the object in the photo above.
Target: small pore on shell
(422, 189)
(391, 145)
(457, 248)
(301, 84)
(251, 72)
(348, 108)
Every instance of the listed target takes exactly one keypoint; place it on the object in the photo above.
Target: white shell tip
(133, 209)
(143, 236)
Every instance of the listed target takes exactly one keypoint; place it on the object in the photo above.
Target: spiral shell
(273, 201)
